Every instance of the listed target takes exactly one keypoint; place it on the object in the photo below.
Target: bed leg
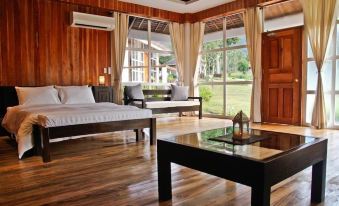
(138, 134)
(200, 110)
(37, 140)
(153, 131)
(180, 114)
(46, 154)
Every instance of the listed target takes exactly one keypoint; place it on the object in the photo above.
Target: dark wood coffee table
(260, 164)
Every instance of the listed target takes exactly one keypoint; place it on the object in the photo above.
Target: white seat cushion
(164, 104)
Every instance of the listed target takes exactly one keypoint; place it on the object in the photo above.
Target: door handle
(296, 80)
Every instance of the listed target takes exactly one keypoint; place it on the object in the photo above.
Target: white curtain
(253, 30)
(177, 32)
(118, 47)
(196, 38)
(319, 17)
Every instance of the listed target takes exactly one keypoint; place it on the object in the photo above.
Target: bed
(36, 126)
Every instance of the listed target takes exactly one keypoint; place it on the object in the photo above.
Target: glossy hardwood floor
(115, 170)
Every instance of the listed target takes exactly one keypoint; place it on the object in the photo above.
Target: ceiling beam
(165, 27)
(156, 28)
(142, 21)
(215, 25)
(130, 26)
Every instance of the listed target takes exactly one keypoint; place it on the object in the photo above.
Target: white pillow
(75, 94)
(37, 95)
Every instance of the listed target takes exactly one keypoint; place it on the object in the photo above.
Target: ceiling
(270, 12)
(283, 9)
(184, 1)
(180, 6)
(138, 23)
(233, 21)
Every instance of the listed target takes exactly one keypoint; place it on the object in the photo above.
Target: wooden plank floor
(115, 170)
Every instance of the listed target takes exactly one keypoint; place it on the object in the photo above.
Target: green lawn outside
(238, 97)
(234, 76)
(215, 104)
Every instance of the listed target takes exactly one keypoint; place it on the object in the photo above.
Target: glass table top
(258, 144)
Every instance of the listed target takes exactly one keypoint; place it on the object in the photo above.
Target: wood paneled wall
(134, 9)
(18, 52)
(145, 11)
(38, 46)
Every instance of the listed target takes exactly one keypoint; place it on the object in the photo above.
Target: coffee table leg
(318, 182)
(164, 179)
(261, 195)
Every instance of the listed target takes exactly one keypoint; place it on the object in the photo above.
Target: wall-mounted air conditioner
(91, 21)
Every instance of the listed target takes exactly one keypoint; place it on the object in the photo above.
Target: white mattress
(19, 120)
(164, 104)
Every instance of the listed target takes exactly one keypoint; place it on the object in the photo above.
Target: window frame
(224, 82)
(147, 51)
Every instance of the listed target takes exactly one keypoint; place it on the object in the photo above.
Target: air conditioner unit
(91, 21)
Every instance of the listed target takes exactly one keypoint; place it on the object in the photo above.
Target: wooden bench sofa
(159, 101)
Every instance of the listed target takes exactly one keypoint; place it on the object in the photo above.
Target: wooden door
(281, 85)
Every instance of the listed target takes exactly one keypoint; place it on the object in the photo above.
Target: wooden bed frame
(42, 135)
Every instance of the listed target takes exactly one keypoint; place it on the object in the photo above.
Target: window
(330, 75)
(149, 55)
(225, 78)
